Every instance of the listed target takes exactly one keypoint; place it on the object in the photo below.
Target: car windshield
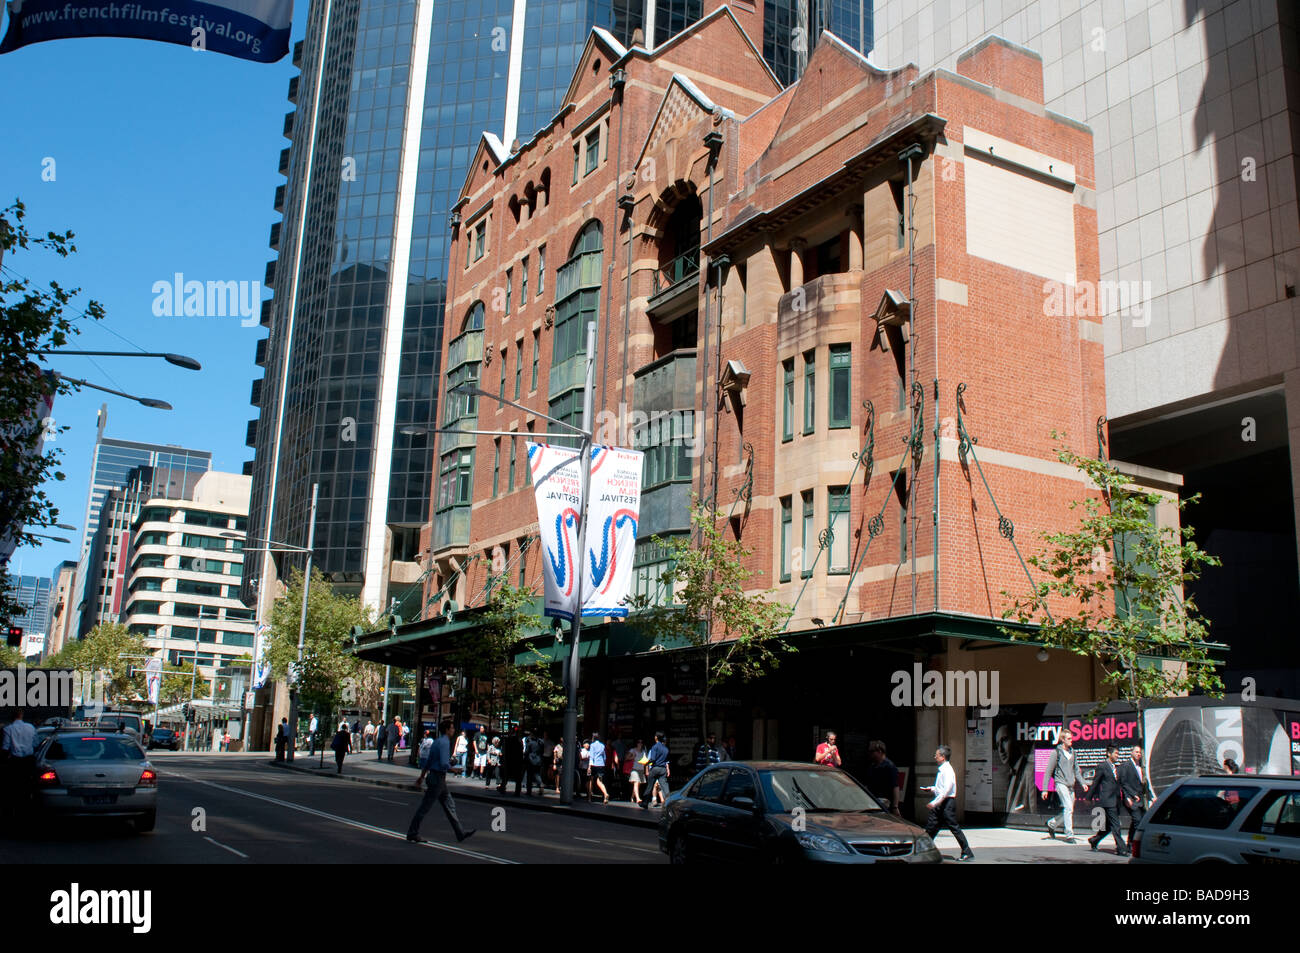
(162, 732)
(93, 748)
(815, 790)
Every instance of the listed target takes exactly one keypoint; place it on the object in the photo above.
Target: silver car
(93, 773)
(1223, 819)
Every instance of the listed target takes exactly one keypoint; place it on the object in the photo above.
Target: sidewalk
(365, 768)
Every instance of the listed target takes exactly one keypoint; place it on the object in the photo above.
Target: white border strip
(375, 570)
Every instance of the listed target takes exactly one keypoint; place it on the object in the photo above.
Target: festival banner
(255, 30)
(615, 496)
(611, 536)
(153, 678)
(262, 667)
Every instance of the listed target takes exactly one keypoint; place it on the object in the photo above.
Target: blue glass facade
(791, 29)
(326, 348)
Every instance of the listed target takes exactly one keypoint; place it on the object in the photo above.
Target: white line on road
(224, 847)
(386, 801)
(348, 822)
(607, 843)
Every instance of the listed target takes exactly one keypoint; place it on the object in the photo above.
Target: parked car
(164, 738)
(783, 812)
(1223, 819)
(88, 772)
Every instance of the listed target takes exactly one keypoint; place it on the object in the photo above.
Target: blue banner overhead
(249, 29)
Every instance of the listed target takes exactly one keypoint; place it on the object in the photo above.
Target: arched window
(474, 318)
(577, 293)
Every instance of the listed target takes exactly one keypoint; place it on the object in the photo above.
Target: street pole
(302, 626)
(194, 670)
(575, 626)
(383, 719)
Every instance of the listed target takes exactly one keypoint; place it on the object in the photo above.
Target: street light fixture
(180, 360)
(147, 401)
(274, 546)
(471, 390)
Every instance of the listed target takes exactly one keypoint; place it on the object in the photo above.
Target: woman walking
(462, 747)
(557, 764)
(636, 770)
(493, 765)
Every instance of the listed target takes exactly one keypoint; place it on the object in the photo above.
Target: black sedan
(785, 812)
(164, 738)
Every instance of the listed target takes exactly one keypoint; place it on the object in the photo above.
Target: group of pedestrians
(1117, 782)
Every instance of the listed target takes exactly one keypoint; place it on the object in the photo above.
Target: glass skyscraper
(791, 29)
(111, 466)
(392, 101)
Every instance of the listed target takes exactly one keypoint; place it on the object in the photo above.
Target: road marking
(224, 847)
(386, 801)
(348, 822)
(609, 843)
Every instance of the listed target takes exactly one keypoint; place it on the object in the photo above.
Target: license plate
(102, 799)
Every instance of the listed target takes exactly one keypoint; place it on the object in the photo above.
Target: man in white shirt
(20, 762)
(943, 803)
(311, 730)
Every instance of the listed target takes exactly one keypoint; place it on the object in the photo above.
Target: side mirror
(744, 803)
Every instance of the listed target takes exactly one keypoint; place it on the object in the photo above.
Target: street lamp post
(584, 433)
(302, 625)
(194, 670)
(276, 547)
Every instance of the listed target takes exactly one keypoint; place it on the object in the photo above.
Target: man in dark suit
(1134, 787)
(1106, 790)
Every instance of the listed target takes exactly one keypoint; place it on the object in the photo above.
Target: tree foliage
(1124, 579)
(102, 651)
(501, 682)
(735, 632)
(31, 318)
(330, 677)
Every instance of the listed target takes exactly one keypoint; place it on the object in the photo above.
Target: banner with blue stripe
(255, 30)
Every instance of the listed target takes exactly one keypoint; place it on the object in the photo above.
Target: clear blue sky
(165, 162)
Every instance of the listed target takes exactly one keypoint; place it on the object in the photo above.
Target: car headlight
(923, 844)
(822, 842)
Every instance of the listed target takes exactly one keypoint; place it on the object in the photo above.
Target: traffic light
(14, 637)
(186, 710)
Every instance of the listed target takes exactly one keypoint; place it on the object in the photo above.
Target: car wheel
(145, 823)
(678, 853)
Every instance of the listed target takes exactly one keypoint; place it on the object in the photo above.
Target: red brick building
(804, 300)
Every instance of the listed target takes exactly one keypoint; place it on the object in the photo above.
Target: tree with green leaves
(106, 649)
(330, 677)
(734, 631)
(1124, 579)
(10, 658)
(489, 657)
(31, 318)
